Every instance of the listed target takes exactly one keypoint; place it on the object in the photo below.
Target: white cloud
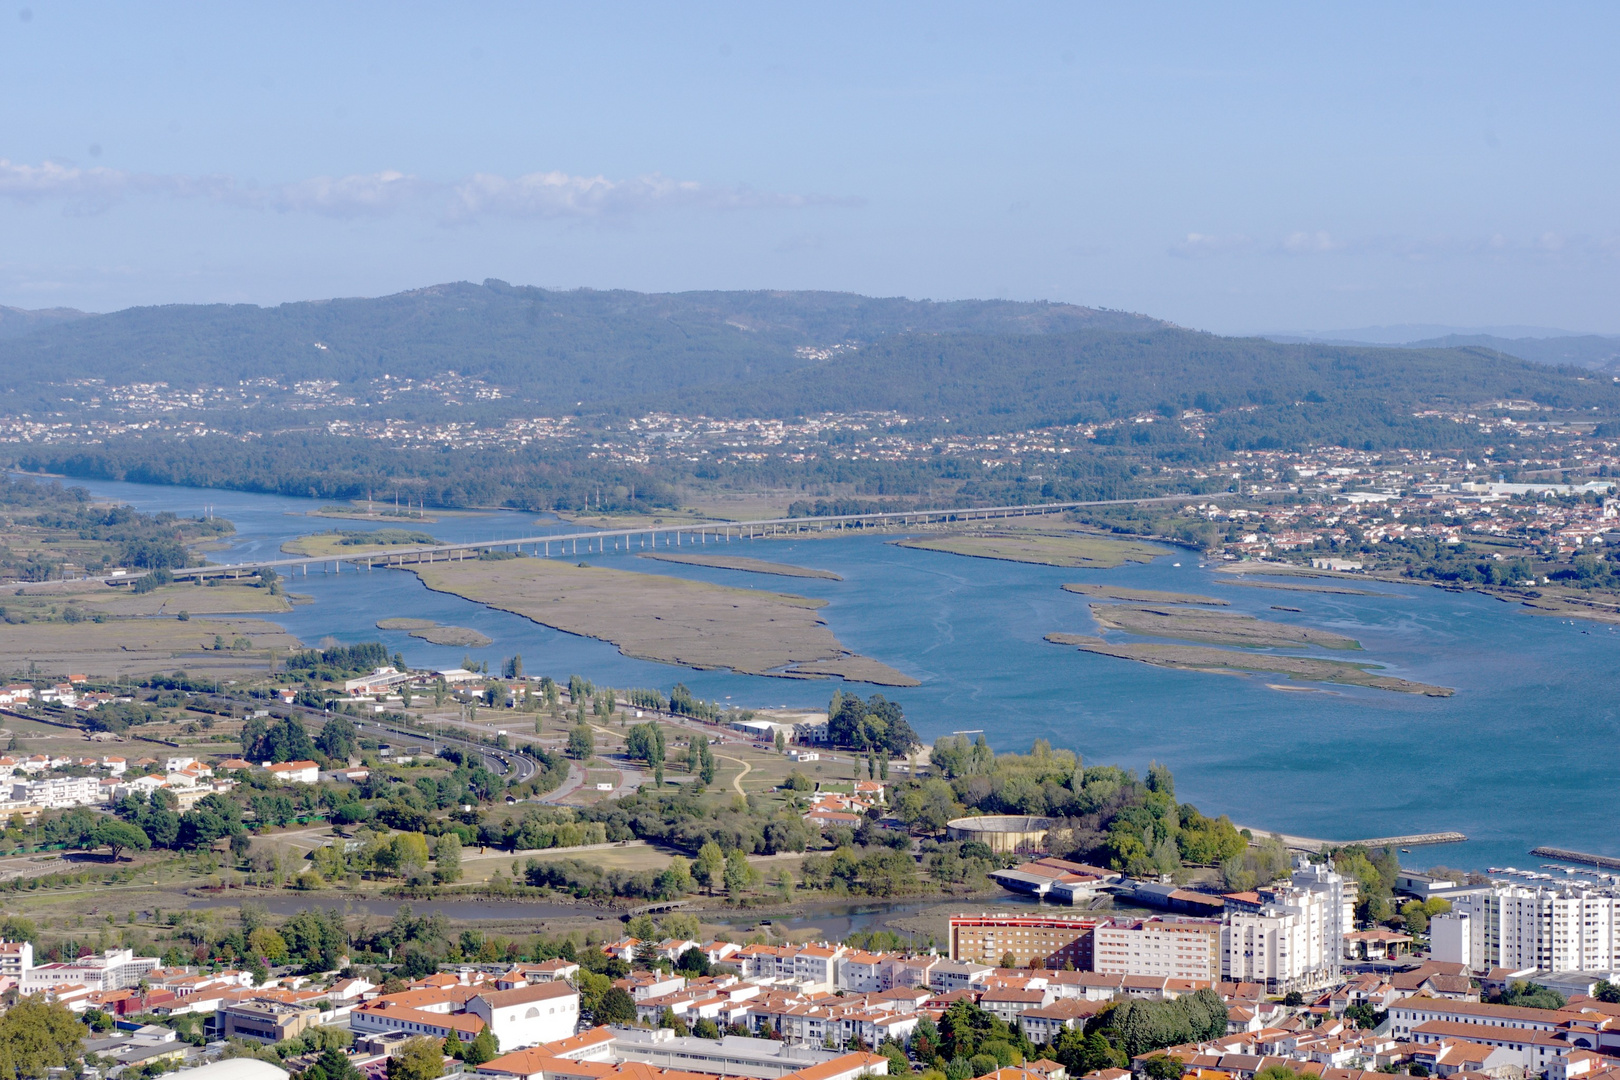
(83, 188)
(1308, 243)
(1203, 245)
(533, 195)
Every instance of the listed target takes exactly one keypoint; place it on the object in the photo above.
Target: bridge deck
(698, 532)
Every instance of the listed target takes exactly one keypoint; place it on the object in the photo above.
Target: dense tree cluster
(1107, 814)
(876, 724)
(341, 661)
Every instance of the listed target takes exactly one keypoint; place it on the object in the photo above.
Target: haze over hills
(15, 322)
(1538, 344)
(1407, 333)
(1585, 350)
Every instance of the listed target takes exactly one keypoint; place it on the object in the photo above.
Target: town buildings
(1283, 946)
(265, 1020)
(526, 1015)
(108, 970)
(1519, 927)
(1172, 948)
(1055, 941)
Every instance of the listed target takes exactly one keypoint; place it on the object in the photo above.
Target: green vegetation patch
(459, 636)
(356, 541)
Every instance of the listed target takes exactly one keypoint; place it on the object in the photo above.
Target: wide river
(1525, 753)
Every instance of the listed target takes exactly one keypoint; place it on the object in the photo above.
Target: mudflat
(1201, 658)
(1048, 548)
(198, 600)
(138, 646)
(744, 563)
(1339, 590)
(1215, 628)
(667, 619)
(1144, 596)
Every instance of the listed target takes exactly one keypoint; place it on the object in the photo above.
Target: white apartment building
(1168, 948)
(1568, 928)
(1339, 914)
(58, 793)
(16, 957)
(111, 970)
(1451, 936)
(1284, 946)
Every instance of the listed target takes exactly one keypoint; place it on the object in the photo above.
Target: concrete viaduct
(644, 538)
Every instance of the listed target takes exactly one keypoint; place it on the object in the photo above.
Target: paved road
(515, 767)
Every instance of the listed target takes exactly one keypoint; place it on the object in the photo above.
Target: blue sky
(1230, 167)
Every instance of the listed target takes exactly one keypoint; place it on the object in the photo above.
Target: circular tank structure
(1004, 834)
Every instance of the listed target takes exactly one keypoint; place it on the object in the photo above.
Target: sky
(1235, 167)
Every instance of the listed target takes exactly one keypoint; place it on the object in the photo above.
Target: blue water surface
(1525, 753)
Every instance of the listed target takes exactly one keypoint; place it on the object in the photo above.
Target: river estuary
(1521, 755)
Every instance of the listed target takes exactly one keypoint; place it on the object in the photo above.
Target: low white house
(294, 772)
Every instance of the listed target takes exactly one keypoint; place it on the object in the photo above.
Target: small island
(1054, 547)
(744, 564)
(1143, 596)
(1201, 658)
(1215, 628)
(436, 634)
(668, 619)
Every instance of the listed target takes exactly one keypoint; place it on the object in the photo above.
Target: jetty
(1316, 846)
(1605, 861)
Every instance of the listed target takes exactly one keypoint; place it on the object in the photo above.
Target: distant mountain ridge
(16, 322)
(1537, 344)
(582, 346)
(1587, 350)
(961, 366)
(1407, 333)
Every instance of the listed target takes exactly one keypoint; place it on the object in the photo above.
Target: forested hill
(1297, 392)
(976, 366)
(554, 350)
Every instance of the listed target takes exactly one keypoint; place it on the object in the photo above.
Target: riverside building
(1518, 927)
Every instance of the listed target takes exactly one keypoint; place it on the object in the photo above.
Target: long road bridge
(647, 537)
